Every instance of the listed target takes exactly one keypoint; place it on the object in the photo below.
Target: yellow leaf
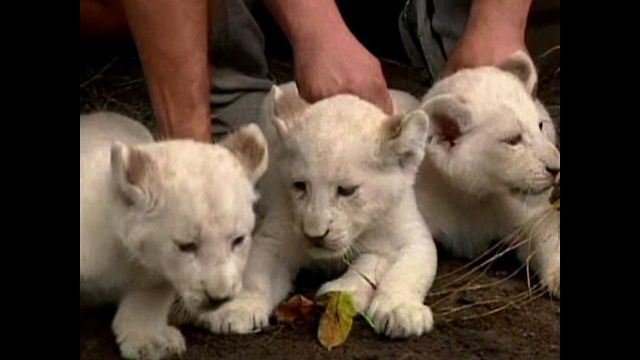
(336, 322)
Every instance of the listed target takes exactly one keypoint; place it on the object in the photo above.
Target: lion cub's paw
(396, 318)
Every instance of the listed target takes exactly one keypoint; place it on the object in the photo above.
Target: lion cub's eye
(300, 186)
(540, 125)
(514, 140)
(347, 190)
(237, 242)
(191, 247)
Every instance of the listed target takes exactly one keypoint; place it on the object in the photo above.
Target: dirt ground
(507, 320)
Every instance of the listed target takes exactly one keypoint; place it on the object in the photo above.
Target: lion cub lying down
(490, 164)
(340, 188)
(160, 220)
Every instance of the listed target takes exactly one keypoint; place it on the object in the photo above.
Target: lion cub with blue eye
(340, 190)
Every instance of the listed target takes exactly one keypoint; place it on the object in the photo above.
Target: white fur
(475, 187)
(403, 102)
(343, 142)
(102, 128)
(141, 203)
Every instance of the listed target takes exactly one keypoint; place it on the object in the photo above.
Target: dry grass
(458, 294)
(115, 84)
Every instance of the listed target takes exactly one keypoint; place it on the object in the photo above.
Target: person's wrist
(500, 25)
(195, 127)
(501, 31)
(485, 44)
(319, 35)
(506, 16)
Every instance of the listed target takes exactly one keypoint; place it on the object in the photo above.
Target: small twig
(454, 309)
(478, 287)
(511, 300)
(273, 337)
(472, 262)
(129, 83)
(548, 52)
(536, 294)
(510, 247)
(99, 73)
(458, 290)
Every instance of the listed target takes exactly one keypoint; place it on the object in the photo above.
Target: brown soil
(529, 327)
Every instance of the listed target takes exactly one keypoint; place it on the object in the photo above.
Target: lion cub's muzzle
(211, 303)
(316, 240)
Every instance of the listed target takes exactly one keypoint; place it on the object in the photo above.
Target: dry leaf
(297, 309)
(336, 321)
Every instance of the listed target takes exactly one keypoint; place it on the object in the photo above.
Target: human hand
(332, 65)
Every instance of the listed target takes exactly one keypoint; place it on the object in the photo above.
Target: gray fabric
(430, 29)
(240, 72)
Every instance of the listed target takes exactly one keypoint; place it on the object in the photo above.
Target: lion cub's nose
(214, 302)
(317, 240)
(553, 171)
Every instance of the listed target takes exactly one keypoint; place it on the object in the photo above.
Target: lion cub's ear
(404, 140)
(250, 147)
(450, 118)
(521, 65)
(283, 104)
(134, 172)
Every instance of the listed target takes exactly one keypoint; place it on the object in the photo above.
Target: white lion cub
(160, 220)
(340, 189)
(490, 163)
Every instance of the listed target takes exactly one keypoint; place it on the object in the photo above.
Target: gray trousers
(429, 30)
